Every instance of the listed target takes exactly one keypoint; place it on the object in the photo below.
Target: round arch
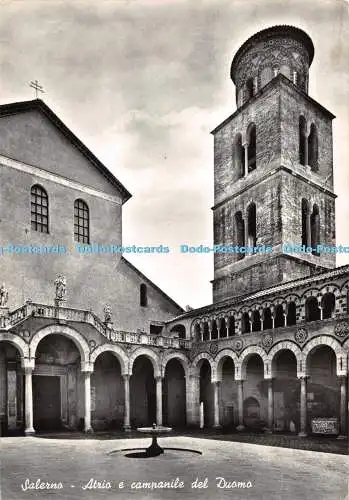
(219, 361)
(324, 340)
(17, 342)
(118, 353)
(143, 351)
(200, 357)
(286, 346)
(247, 353)
(67, 331)
(179, 356)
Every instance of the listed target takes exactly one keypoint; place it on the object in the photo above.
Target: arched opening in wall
(286, 388)
(178, 331)
(256, 321)
(206, 392)
(266, 76)
(305, 223)
(249, 88)
(174, 394)
(239, 233)
(313, 147)
(279, 319)
(214, 330)
(251, 149)
(143, 295)
(255, 394)
(58, 385)
(239, 156)
(302, 141)
(252, 225)
(315, 229)
(245, 323)
(323, 387)
(312, 310)
(107, 393)
(197, 333)
(231, 326)
(39, 215)
(11, 390)
(228, 394)
(291, 314)
(223, 332)
(142, 393)
(328, 304)
(267, 319)
(206, 331)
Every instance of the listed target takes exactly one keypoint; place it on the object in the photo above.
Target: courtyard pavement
(261, 471)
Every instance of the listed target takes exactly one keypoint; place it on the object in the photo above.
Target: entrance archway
(286, 390)
(57, 384)
(228, 393)
(255, 393)
(142, 392)
(206, 391)
(174, 394)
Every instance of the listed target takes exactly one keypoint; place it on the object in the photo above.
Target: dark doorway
(47, 403)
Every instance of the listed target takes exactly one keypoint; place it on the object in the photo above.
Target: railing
(81, 316)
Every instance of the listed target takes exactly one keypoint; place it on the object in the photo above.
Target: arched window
(315, 229)
(279, 319)
(197, 333)
(223, 328)
(239, 156)
(81, 222)
(305, 223)
(214, 330)
(302, 141)
(312, 310)
(313, 148)
(239, 233)
(267, 319)
(251, 225)
(291, 314)
(249, 88)
(256, 321)
(231, 326)
(143, 295)
(328, 304)
(245, 323)
(206, 331)
(251, 150)
(39, 209)
(266, 75)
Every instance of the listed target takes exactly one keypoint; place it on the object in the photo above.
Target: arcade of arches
(61, 389)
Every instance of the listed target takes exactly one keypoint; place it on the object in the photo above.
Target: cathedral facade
(88, 342)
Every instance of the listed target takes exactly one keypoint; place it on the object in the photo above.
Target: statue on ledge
(3, 296)
(61, 287)
(107, 314)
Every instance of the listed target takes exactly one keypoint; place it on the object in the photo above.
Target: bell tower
(273, 169)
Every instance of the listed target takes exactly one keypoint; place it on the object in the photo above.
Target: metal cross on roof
(37, 88)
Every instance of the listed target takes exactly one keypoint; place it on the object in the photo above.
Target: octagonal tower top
(278, 49)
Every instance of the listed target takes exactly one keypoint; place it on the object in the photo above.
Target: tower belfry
(273, 168)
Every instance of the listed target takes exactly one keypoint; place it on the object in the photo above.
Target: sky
(143, 82)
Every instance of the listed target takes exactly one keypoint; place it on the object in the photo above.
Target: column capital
(28, 363)
(126, 376)
(303, 376)
(87, 367)
(342, 377)
(28, 370)
(159, 378)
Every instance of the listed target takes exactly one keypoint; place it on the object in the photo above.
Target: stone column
(308, 226)
(29, 429)
(210, 324)
(158, 400)
(216, 387)
(240, 426)
(306, 152)
(303, 408)
(285, 319)
(193, 399)
(343, 430)
(127, 424)
(246, 159)
(87, 391)
(270, 407)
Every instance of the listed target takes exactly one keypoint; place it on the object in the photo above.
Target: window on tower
(239, 156)
(143, 295)
(313, 148)
(39, 209)
(251, 225)
(249, 89)
(239, 233)
(302, 141)
(251, 150)
(315, 229)
(305, 223)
